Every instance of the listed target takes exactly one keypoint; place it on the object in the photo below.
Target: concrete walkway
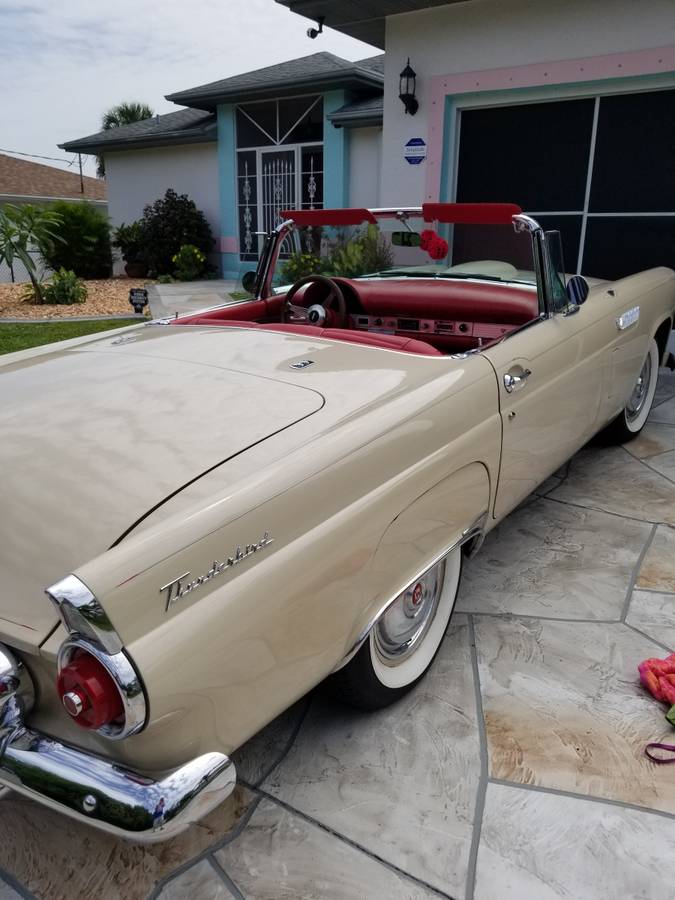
(188, 296)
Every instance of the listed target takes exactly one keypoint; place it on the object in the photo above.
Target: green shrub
(127, 239)
(64, 287)
(165, 279)
(84, 245)
(299, 265)
(189, 263)
(166, 225)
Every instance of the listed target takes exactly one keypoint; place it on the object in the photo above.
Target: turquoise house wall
(335, 186)
(227, 158)
(335, 153)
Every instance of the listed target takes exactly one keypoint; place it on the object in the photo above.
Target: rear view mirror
(405, 239)
(577, 290)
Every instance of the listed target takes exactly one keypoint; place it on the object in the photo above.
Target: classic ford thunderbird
(204, 517)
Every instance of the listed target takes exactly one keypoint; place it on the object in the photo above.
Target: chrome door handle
(516, 382)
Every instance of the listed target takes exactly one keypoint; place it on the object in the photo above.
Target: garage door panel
(634, 169)
(622, 245)
(535, 155)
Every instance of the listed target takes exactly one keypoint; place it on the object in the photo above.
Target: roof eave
(165, 140)
(357, 79)
(356, 120)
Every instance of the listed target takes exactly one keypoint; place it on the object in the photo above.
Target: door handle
(516, 382)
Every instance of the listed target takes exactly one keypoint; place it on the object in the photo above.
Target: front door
(277, 185)
(550, 383)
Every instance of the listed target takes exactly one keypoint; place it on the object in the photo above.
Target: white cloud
(63, 64)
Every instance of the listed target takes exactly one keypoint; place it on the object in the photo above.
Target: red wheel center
(417, 594)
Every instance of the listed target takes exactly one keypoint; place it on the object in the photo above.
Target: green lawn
(20, 336)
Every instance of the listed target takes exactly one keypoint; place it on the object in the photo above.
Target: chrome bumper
(95, 790)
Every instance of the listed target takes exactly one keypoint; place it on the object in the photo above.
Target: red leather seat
(370, 339)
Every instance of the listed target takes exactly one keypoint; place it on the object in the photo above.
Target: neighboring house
(566, 107)
(245, 147)
(22, 182)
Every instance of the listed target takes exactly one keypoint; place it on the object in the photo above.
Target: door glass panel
(253, 121)
(277, 185)
(300, 120)
(247, 204)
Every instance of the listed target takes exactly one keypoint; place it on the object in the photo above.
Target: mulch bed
(107, 297)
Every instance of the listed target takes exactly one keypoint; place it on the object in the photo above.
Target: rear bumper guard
(95, 790)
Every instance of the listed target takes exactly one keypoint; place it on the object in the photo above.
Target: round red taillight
(88, 691)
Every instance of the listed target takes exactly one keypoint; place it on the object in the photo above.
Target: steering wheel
(332, 313)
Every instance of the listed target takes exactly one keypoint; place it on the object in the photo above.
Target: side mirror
(248, 281)
(577, 290)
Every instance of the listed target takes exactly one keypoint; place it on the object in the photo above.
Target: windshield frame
(519, 221)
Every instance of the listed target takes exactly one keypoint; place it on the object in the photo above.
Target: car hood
(92, 438)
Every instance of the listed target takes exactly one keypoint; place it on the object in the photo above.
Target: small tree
(24, 229)
(167, 224)
(122, 114)
(84, 245)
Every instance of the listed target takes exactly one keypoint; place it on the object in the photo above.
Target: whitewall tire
(632, 418)
(404, 641)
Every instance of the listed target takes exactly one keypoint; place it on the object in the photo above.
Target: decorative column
(228, 240)
(335, 153)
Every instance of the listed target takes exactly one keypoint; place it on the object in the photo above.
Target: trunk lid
(91, 441)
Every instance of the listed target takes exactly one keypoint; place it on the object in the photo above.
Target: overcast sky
(63, 63)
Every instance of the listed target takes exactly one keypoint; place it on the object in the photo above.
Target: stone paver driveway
(514, 770)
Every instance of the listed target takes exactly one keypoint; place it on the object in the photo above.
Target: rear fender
(448, 515)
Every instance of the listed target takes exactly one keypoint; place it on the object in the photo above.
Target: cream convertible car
(228, 508)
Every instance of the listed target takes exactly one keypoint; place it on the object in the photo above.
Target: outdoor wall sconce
(406, 89)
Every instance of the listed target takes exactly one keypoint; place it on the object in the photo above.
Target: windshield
(406, 249)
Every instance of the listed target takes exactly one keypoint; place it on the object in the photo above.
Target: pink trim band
(229, 244)
(592, 68)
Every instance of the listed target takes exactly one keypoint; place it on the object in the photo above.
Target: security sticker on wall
(415, 151)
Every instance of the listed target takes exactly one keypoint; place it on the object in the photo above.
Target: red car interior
(429, 317)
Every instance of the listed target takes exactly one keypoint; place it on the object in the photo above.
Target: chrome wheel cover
(399, 632)
(640, 391)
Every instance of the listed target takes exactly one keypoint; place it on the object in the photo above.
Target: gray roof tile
(179, 126)
(317, 68)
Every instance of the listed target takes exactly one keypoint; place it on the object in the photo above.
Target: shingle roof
(368, 111)
(180, 127)
(22, 178)
(319, 71)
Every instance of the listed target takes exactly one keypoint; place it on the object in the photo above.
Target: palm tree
(122, 114)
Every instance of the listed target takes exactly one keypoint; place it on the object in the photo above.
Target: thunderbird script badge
(179, 587)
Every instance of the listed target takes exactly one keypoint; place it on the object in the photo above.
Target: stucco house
(565, 107)
(245, 147)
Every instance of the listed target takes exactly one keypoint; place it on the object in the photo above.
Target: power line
(37, 156)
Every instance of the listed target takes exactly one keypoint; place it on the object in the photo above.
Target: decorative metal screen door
(278, 185)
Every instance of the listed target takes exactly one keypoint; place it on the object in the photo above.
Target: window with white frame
(279, 163)
(600, 169)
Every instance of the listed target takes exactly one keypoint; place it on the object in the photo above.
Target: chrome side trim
(126, 680)
(475, 532)
(81, 613)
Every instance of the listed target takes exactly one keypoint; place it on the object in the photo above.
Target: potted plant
(127, 239)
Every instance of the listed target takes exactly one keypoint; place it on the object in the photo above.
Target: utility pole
(79, 159)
